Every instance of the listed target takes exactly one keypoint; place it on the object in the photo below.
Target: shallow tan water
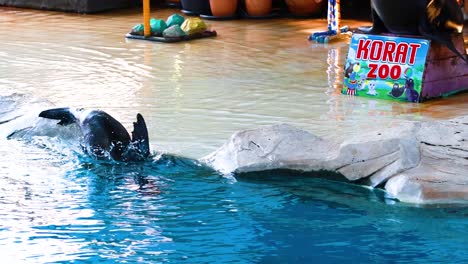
(194, 95)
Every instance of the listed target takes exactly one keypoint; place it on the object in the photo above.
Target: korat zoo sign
(385, 67)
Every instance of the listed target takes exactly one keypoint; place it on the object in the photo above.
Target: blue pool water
(59, 206)
(173, 210)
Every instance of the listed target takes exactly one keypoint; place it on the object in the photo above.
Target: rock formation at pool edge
(420, 162)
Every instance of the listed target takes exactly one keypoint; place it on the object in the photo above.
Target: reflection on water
(56, 207)
(256, 72)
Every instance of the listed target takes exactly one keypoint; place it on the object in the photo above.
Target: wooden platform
(205, 34)
(445, 73)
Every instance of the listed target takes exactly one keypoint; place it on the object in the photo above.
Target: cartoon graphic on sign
(396, 91)
(361, 81)
(411, 94)
(385, 67)
(351, 83)
(372, 90)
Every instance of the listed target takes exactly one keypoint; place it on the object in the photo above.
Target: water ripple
(57, 206)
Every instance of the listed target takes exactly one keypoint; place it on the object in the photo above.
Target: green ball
(138, 29)
(157, 26)
(175, 19)
(173, 31)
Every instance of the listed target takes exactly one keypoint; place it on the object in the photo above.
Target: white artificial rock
(272, 147)
(420, 162)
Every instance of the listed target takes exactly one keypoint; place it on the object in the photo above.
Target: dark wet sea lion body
(434, 19)
(397, 16)
(103, 135)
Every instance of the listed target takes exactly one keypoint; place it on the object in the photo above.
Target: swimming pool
(58, 206)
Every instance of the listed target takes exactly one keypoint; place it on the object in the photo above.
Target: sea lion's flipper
(445, 15)
(140, 136)
(442, 36)
(443, 18)
(62, 114)
(377, 25)
(445, 39)
(433, 10)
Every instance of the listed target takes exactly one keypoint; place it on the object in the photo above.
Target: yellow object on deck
(193, 26)
(146, 18)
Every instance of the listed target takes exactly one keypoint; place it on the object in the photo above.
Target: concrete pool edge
(415, 162)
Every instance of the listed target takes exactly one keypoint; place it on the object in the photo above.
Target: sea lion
(396, 91)
(103, 135)
(434, 19)
(411, 94)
